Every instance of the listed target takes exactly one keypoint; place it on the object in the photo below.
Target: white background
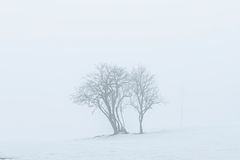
(47, 46)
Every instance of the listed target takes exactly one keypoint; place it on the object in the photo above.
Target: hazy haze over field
(47, 46)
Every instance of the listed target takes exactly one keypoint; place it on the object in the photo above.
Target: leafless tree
(106, 90)
(144, 93)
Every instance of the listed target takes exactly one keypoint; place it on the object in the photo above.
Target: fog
(47, 47)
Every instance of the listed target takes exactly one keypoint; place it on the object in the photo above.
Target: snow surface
(219, 143)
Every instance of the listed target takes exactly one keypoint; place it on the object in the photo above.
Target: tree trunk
(115, 129)
(120, 121)
(140, 125)
(117, 125)
(114, 126)
(123, 130)
(118, 128)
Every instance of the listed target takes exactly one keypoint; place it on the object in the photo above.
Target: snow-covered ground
(219, 143)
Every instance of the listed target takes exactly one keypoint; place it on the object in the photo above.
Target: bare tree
(144, 93)
(106, 90)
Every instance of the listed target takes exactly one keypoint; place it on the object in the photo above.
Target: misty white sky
(47, 46)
